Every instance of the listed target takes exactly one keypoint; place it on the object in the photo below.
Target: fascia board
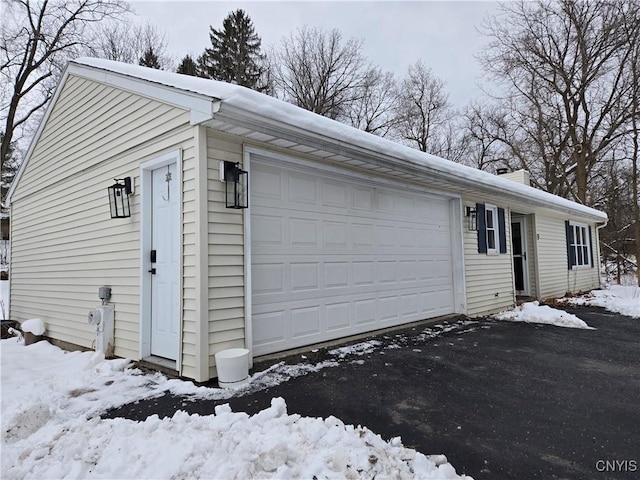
(201, 107)
(508, 190)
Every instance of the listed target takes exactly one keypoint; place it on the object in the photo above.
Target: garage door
(332, 256)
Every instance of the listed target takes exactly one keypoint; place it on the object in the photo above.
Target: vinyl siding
(489, 278)
(64, 243)
(225, 253)
(555, 277)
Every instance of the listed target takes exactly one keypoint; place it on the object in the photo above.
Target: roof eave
(295, 133)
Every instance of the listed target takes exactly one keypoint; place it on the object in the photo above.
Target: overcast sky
(395, 34)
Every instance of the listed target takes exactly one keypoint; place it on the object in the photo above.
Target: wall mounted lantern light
(236, 184)
(472, 219)
(119, 198)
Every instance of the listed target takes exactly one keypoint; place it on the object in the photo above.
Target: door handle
(152, 271)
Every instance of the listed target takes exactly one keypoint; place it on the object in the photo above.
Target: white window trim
(496, 229)
(574, 246)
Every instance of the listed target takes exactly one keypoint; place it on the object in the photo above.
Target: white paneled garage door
(332, 256)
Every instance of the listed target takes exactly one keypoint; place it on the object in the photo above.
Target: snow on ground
(51, 401)
(624, 299)
(533, 312)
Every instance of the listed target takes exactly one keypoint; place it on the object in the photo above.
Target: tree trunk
(636, 201)
(581, 178)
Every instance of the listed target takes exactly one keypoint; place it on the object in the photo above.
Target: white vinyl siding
(225, 253)
(555, 278)
(489, 278)
(64, 243)
(532, 255)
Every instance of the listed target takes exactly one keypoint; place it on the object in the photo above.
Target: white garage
(334, 254)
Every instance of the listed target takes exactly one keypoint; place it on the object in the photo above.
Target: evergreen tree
(235, 55)
(150, 59)
(188, 67)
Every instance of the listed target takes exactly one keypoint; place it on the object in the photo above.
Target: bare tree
(318, 71)
(482, 126)
(422, 109)
(634, 137)
(565, 64)
(129, 42)
(372, 109)
(36, 40)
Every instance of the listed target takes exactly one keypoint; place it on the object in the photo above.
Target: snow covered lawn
(615, 298)
(51, 401)
(533, 312)
(624, 299)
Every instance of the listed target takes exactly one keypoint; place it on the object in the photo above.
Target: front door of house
(165, 262)
(520, 270)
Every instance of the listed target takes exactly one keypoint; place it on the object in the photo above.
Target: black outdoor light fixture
(472, 218)
(119, 198)
(236, 184)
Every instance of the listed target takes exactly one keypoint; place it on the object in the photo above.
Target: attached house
(344, 233)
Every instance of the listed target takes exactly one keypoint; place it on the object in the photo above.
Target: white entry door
(165, 270)
(332, 256)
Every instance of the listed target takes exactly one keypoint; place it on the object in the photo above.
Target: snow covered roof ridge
(255, 104)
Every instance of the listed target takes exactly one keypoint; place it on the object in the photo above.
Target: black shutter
(482, 228)
(501, 231)
(591, 247)
(570, 253)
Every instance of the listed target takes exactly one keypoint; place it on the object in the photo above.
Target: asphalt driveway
(501, 400)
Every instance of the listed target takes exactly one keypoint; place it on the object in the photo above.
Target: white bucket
(232, 366)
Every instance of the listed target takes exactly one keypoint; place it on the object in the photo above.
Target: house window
(492, 237)
(579, 245)
(491, 222)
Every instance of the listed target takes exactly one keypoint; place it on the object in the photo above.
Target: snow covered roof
(241, 111)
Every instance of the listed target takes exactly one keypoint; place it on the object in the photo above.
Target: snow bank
(533, 312)
(51, 400)
(270, 444)
(622, 299)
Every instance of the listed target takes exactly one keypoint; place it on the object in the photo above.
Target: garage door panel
(335, 195)
(304, 276)
(266, 183)
(335, 234)
(302, 188)
(333, 257)
(336, 274)
(269, 328)
(305, 321)
(365, 311)
(282, 273)
(337, 316)
(267, 278)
